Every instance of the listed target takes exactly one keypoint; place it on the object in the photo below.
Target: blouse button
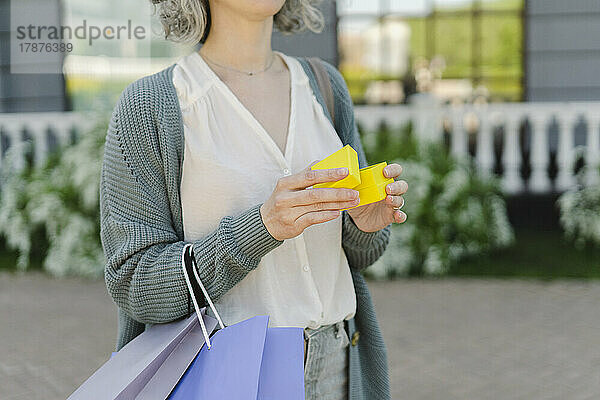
(306, 268)
(286, 171)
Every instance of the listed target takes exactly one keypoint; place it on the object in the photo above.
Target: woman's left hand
(375, 216)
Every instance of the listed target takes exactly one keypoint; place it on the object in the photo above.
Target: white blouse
(230, 164)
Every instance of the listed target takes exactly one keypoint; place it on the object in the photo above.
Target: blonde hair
(188, 21)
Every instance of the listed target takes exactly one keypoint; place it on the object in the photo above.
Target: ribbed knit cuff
(251, 234)
(353, 236)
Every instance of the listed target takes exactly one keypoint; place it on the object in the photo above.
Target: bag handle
(324, 84)
(188, 254)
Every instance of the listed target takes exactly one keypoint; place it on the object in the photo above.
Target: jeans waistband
(335, 328)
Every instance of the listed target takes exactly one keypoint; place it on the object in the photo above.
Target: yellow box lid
(371, 194)
(344, 157)
(373, 175)
(373, 184)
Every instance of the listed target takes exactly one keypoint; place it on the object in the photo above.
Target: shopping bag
(150, 366)
(282, 367)
(245, 361)
(172, 369)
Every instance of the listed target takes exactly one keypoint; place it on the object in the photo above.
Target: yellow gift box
(369, 181)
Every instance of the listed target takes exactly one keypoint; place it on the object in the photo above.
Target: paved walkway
(447, 339)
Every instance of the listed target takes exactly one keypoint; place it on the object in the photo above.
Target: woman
(215, 150)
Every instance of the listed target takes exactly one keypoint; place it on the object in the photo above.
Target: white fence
(565, 131)
(547, 129)
(45, 131)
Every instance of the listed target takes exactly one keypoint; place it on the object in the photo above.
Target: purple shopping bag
(245, 361)
(151, 365)
(282, 368)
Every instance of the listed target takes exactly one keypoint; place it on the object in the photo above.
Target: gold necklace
(243, 72)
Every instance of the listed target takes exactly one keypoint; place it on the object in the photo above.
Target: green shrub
(580, 213)
(452, 211)
(55, 208)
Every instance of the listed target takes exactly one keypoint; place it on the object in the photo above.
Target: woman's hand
(375, 216)
(292, 207)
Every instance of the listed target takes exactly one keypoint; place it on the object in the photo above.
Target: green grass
(8, 258)
(535, 254)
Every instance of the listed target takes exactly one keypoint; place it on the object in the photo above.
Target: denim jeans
(326, 363)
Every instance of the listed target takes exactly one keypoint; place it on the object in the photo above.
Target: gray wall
(26, 92)
(322, 45)
(562, 60)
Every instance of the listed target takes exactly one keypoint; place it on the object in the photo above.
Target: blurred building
(95, 75)
(547, 50)
(29, 92)
(387, 47)
(324, 44)
(562, 50)
(513, 50)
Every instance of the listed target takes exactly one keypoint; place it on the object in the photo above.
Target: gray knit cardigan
(142, 227)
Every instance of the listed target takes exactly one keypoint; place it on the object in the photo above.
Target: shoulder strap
(324, 84)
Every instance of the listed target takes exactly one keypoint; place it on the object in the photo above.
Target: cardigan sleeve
(362, 248)
(142, 248)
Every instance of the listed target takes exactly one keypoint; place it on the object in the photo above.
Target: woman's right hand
(294, 205)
